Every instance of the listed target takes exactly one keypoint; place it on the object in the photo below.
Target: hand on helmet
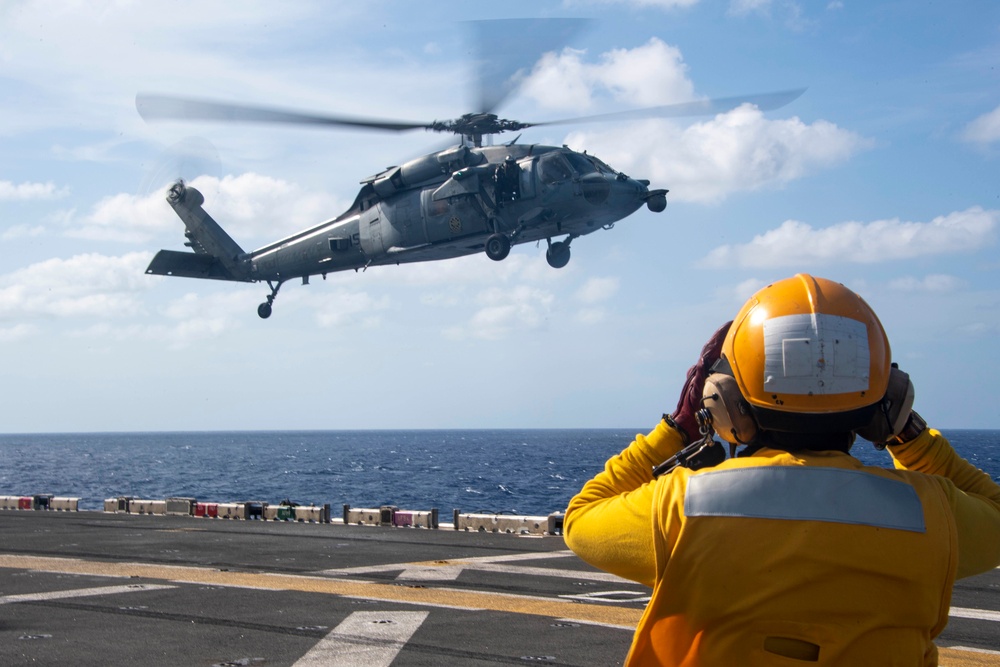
(690, 399)
(893, 411)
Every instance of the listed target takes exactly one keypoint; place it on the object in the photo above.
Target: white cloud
(54, 51)
(796, 243)
(184, 321)
(17, 332)
(456, 280)
(741, 7)
(125, 217)
(560, 81)
(934, 283)
(88, 285)
(593, 292)
(742, 291)
(455, 274)
(647, 75)
(503, 311)
(791, 11)
(590, 316)
(22, 231)
(665, 4)
(28, 191)
(661, 4)
(736, 7)
(250, 207)
(736, 151)
(194, 316)
(985, 129)
(194, 305)
(267, 208)
(596, 290)
(345, 308)
(441, 299)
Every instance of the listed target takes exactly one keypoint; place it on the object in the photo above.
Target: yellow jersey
(786, 558)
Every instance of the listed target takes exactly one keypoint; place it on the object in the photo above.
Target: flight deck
(98, 588)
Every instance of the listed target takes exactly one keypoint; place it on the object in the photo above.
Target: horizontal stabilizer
(189, 265)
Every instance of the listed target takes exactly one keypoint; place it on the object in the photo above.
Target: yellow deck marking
(466, 599)
(473, 600)
(958, 658)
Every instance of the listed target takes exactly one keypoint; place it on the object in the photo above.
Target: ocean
(532, 472)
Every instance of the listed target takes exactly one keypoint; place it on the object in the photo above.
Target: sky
(884, 175)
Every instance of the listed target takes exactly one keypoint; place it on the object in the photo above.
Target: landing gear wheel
(264, 309)
(557, 255)
(497, 247)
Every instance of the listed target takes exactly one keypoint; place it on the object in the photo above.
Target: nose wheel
(264, 309)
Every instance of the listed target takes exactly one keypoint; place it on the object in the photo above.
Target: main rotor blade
(507, 50)
(164, 107)
(763, 101)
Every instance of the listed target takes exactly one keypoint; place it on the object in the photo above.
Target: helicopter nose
(656, 201)
(595, 189)
(638, 191)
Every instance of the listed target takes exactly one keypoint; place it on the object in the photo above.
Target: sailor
(792, 551)
(507, 181)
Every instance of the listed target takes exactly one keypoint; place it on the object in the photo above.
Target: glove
(893, 411)
(690, 399)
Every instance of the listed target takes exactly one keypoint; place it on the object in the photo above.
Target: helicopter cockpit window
(601, 165)
(553, 168)
(581, 163)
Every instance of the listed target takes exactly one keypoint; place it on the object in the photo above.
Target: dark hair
(840, 441)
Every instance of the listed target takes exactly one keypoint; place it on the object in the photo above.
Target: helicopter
(473, 197)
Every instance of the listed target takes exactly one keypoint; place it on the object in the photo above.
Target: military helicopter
(469, 198)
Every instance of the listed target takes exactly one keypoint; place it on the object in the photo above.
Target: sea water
(533, 472)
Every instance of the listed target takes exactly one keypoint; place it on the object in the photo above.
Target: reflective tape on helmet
(805, 494)
(815, 353)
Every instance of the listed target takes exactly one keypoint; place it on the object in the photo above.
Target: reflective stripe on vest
(805, 494)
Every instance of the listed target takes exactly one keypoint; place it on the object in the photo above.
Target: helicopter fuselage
(444, 205)
(447, 204)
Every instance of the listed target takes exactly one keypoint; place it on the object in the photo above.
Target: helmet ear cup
(731, 416)
(893, 410)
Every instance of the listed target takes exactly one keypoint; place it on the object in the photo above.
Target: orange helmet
(808, 355)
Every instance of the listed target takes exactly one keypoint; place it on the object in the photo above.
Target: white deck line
(370, 638)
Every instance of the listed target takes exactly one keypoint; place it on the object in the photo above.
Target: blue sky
(883, 176)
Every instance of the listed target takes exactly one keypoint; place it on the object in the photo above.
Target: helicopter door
(371, 235)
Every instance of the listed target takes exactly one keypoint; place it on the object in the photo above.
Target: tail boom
(216, 255)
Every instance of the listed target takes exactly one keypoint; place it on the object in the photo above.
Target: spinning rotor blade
(185, 160)
(508, 49)
(163, 107)
(158, 107)
(763, 101)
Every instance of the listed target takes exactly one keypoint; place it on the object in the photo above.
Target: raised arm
(973, 495)
(610, 523)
